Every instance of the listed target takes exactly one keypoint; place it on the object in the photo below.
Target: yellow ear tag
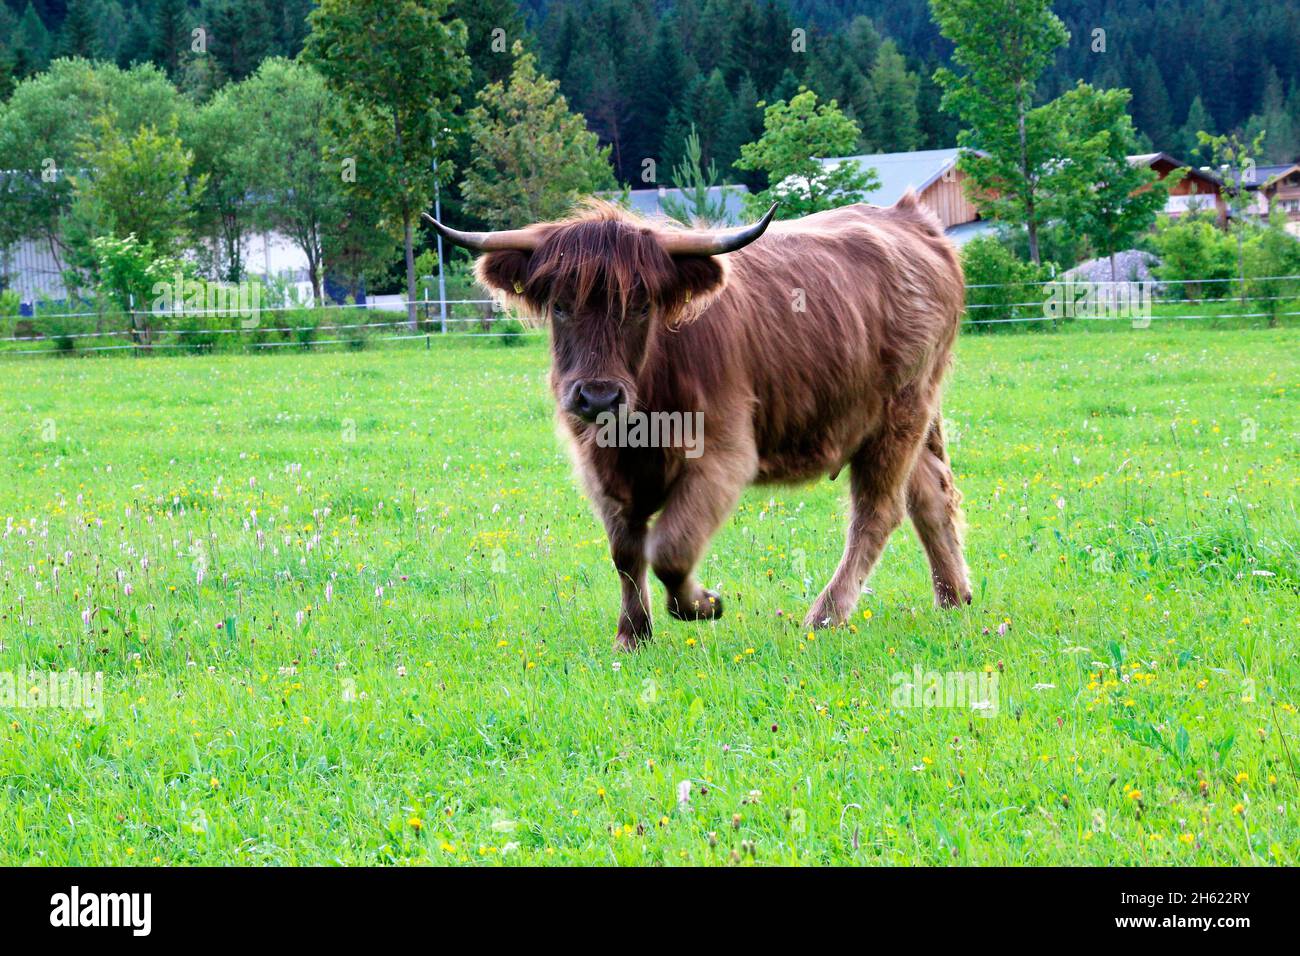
(688, 295)
(519, 288)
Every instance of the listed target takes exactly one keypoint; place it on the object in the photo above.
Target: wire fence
(1056, 302)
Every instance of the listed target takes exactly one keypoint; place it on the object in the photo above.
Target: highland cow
(808, 346)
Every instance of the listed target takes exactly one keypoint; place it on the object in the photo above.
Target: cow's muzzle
(593, 397)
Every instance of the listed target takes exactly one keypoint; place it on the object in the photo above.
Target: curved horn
(519, 239)
(714, 242)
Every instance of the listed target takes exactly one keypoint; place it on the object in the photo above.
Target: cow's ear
(699, 278)
(504, 271)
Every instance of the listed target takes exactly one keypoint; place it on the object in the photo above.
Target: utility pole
(437, 214)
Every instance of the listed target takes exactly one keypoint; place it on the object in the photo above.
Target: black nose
(595, 397)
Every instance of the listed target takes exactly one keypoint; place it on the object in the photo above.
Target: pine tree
(33, 39)
(895, 88)
(1197, 120)
(533, 158)
(1151, 110)
(79, 36)
(241, 38)
(170, 36)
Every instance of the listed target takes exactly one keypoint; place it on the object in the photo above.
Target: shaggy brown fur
(821, 345)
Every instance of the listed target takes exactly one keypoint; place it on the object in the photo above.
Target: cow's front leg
(696, 507)
(627, 548)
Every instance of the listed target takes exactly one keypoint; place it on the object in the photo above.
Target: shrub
(10, 305)
(999, 284)
(1269, 254)
(509, 332)
(1192, 247)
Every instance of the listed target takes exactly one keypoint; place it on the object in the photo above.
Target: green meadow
(350, 608)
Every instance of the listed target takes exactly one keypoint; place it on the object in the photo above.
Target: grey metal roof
(649, 202)
(899, 171)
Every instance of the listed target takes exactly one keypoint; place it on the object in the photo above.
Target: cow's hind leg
(695, 509)
(934, 504)
(878, 472)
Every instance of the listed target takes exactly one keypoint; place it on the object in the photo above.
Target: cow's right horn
(715, 242)
(521, 240)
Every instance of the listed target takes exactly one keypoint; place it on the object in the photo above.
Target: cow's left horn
(716, 241)
(519, 239)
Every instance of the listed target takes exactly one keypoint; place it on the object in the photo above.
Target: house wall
(1285, 194)
(946, 197)
(1191, 192)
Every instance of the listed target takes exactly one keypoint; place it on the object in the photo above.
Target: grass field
(350, 608)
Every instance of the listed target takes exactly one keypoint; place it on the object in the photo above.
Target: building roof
(964, 232)
(1264, 175)
(899, 171)
(649, 202)
(1150, 159)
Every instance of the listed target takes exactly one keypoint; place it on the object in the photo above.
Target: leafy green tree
(397, 64)
(1002, 48)
(41, 128)
(1120, 200)
(295, 169)
(795, 136)
(532, 157)
(225, 137)
(696, 207)
(357, 248)
(1235, 160)
(136, 184)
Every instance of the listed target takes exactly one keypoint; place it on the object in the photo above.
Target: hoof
(706, 607)
(627, 642)
(945, 596)
(821, 617)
